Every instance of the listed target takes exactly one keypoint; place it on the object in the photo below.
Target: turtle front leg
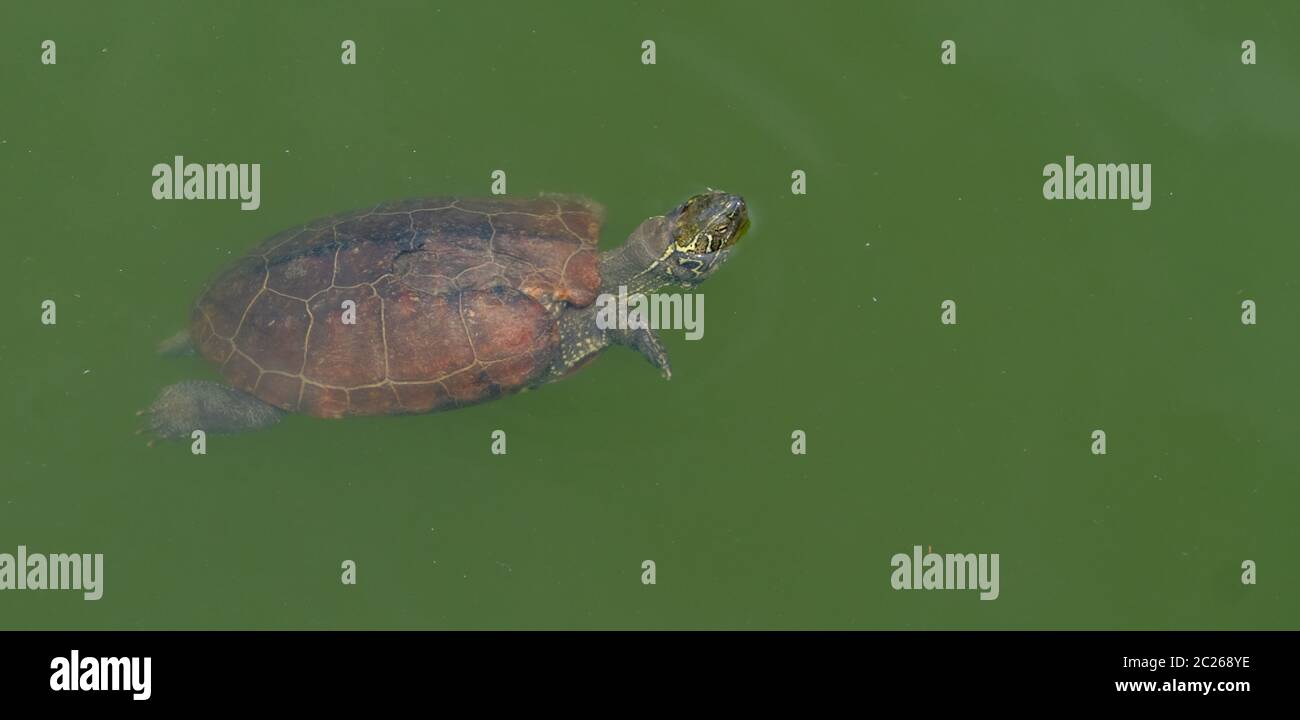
(582, 339)
(208, 406)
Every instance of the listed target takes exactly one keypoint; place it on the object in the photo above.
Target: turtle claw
(145, 431)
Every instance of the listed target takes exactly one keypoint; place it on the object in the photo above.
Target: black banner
(924, 669)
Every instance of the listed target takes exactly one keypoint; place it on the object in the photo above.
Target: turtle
(429, 304)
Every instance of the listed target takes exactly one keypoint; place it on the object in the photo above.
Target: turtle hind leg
(179, 344)
(208, 406)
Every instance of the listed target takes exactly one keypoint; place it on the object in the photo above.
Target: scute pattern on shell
(455, 304)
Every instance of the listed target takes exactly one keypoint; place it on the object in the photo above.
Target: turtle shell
(451, 301)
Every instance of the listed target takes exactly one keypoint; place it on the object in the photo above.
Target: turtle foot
(647, 343)
(208, 406)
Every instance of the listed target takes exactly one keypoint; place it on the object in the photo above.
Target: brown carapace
(408, 307)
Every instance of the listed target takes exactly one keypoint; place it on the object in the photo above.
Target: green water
(924, 184)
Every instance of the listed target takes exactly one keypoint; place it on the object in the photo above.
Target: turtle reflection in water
(456, 301)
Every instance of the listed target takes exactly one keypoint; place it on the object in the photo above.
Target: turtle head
(704, 228)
